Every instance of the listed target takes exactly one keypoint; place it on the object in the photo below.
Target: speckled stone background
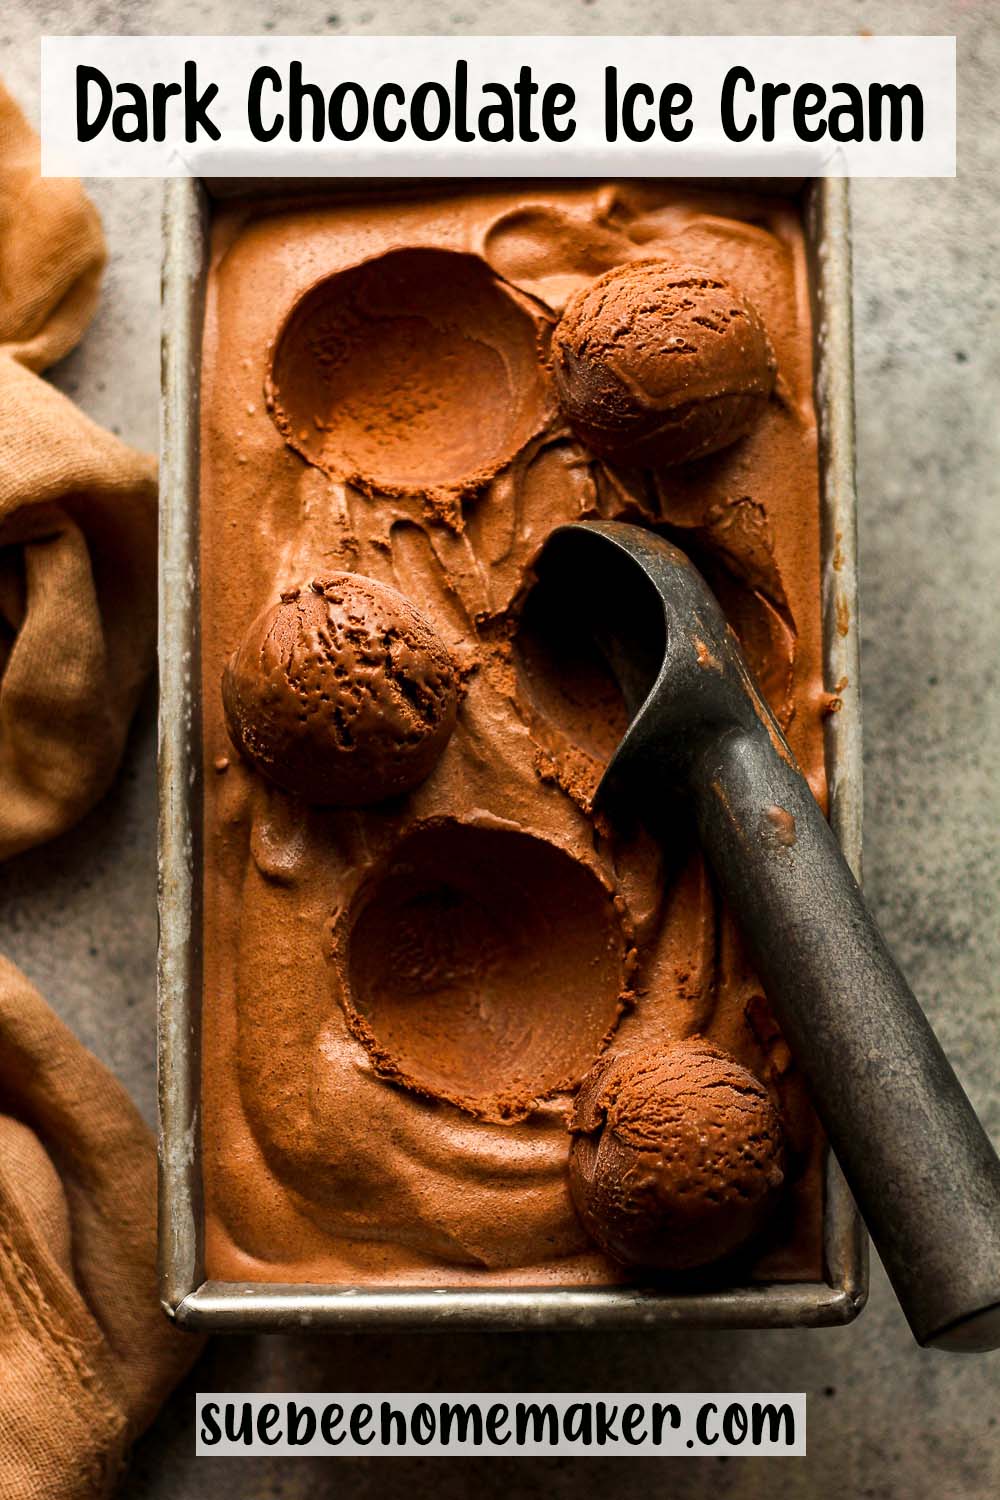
(885, 1419)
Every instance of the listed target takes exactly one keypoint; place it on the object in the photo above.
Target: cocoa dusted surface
(401, 1001)
(412, 370)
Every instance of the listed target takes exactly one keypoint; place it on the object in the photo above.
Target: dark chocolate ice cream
(341, 692)
(399, 1001)
(656, 364)
(677, 1156)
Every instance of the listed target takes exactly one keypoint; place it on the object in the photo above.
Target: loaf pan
(189, 1299)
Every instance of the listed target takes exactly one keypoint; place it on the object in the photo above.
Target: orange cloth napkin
(77, 519)
(86, 1355)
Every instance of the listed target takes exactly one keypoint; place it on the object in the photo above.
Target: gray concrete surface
(885, 1420)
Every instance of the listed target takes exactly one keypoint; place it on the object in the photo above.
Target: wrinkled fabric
(86, 1355)
(77, 520)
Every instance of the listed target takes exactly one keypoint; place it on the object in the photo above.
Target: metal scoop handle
(920, 1165)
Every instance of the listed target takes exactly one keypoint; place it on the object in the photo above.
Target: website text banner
(335, 1424)
(735, 106)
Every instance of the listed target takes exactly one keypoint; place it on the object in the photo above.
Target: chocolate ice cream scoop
(677, 1157)
(656, 364)
(341, 692)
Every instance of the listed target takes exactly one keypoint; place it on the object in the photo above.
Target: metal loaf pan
(187, 1297)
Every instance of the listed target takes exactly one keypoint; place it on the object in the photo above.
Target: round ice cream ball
(656, 364)
(677, 1156)
(341, 692)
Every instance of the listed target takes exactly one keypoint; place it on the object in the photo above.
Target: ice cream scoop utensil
(918, 1161)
